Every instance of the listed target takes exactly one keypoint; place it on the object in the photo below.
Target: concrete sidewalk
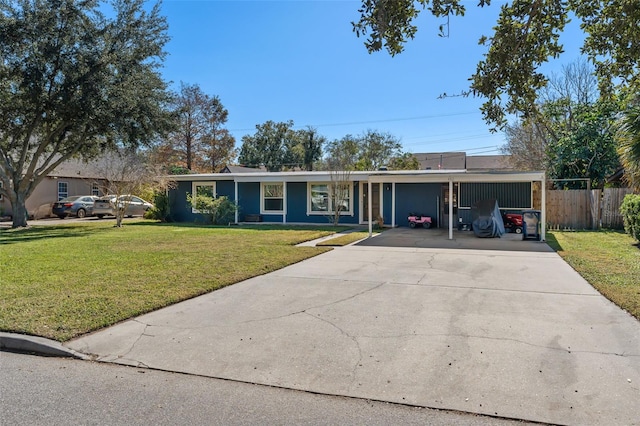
(511, 334)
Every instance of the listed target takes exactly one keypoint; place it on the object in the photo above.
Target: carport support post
(370, 207)
(393, 205)
(451, 209)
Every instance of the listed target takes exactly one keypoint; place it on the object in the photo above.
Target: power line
(421, 117)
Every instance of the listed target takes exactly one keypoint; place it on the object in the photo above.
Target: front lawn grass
(344, 240)
(608, 260)
(66, 280)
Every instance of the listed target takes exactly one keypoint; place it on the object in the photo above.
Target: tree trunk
(119, 216)
(19, 208)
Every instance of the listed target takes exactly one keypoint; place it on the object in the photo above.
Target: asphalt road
(57, 391)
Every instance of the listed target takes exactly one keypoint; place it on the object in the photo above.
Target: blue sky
(301, 61)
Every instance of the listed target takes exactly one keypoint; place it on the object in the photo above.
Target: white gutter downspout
(451, 208)
(235, 185)
(393, 205)
(369, 202)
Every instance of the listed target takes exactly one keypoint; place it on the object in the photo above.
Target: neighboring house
(489, 163)
(441, 160)
(302, 197)
(73, 177)
(462, 161)
(618, 179)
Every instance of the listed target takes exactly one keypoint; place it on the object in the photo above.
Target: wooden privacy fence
(585, 209)
(610, 210)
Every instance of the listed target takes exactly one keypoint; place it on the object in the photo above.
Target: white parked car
(134, 206)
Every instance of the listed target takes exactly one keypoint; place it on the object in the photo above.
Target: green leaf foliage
(630, 210)
(404, 161)
(368, 151)
(628, 137)
(218, 210)
(278, 147)
(161, 208)
(585, 148)
(268, 146)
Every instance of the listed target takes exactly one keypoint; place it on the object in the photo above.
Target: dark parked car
(78, 205)
(134, 206)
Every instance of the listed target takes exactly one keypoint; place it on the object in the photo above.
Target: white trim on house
(262, 198)
(324, 176)
(330, 209)
(361, 219)
(62, 194)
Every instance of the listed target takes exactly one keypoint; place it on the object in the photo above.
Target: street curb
(39, 345)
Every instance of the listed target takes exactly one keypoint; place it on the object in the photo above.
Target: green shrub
(630, 210)
(160, 210)
(218, 210)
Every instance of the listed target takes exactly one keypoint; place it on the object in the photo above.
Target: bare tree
(128, 172)
(576, 81)
(339, 194)
(526, 146)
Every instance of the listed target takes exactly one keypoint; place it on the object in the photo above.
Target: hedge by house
(630, 210)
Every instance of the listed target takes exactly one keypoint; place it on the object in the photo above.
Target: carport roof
(409, 176)
(415, 176)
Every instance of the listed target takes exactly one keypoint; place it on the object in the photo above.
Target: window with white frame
(95, 189)
(324, 197)
(207, 189)
(272, 197)
(63, 190)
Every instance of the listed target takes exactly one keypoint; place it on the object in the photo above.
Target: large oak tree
(76, 78)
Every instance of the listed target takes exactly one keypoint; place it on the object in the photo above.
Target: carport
(453, 178)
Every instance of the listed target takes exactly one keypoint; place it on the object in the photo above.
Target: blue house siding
(180, 208)
(248, 199)
(410, 197)
(297, 202)
(387, 205)
(225, 188)
(416, 198)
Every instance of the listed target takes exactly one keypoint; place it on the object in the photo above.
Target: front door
(375, 201)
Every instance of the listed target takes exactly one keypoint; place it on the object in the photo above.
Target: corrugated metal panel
(512, 195)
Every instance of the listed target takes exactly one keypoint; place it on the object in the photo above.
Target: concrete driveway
(503, 333)
(439, 238)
